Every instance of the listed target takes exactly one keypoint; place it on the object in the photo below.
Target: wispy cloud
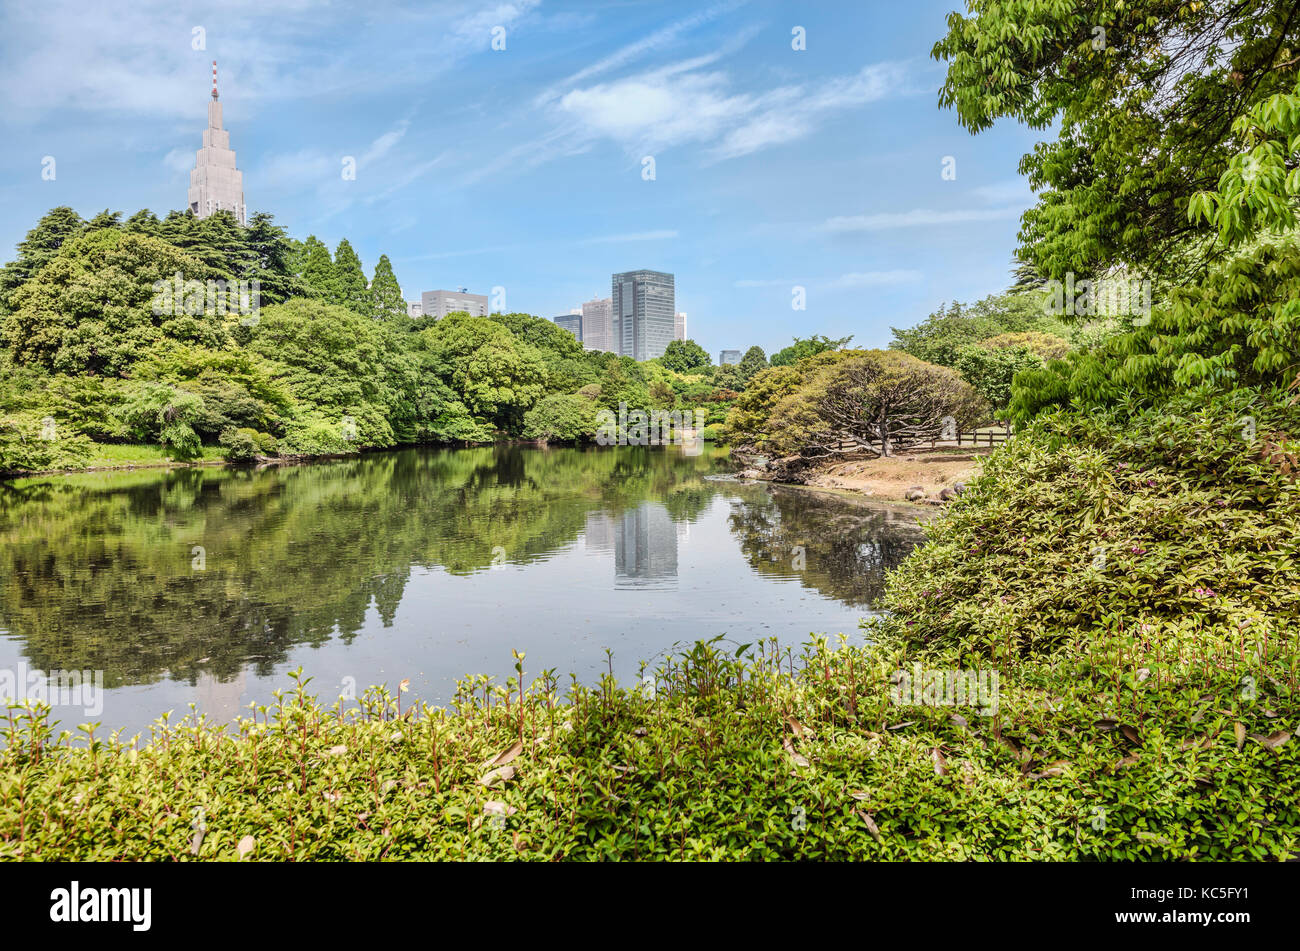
(151, 57)
(683, 103)
(633, 51)
(917, 218)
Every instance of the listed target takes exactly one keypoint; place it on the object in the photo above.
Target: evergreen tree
(105, 219)
(179, 229)
(38, 248)
(317, 268)
(143, 221)
(221, 244)
(350, 280)
(753, 361)
(386, 298)
(272, 256)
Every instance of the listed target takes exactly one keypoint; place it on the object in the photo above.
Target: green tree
(1144, 93)
(350, 289)
(496, 376)
(753, 361)
(317, 269)
(42, 243)
(105, 219)
(143, 221)
(561, 417)
(807, 347)
(270, 261)
(105, 300)
(1239, 326)
(990, 370)
(684, 356)
(156, 411)
(349, 375)
(386, 301)
(879, 399)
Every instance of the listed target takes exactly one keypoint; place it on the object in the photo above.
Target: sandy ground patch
(890, 478)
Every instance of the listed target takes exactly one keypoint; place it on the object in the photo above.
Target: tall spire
(216, 184)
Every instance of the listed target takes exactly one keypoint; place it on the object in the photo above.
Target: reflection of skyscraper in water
(645, 548)
(599, 533)
(220, 701)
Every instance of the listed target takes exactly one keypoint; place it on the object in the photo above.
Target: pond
(205, 585)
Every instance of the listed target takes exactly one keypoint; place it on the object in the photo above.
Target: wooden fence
(982, 437)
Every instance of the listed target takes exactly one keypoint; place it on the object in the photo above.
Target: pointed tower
(215, 183)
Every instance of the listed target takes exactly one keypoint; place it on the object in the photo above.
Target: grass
(140, 454)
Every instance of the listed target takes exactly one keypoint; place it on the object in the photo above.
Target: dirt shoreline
(889, 479)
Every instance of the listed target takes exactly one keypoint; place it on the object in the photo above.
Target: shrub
(240, 445)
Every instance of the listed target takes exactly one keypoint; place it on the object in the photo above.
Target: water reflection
(382, 563)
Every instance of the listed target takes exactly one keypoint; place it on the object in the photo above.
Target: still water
(206, 585)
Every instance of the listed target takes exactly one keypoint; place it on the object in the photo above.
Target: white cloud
(384, 144)
(179, 161)
(632, 51)
(919, 217)
(679, 104)
(138, 58)
(477, 27)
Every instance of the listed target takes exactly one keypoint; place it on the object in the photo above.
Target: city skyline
(774, 169)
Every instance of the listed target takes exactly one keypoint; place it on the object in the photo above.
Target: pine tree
(350, 280)
(39, 248)
(317, 268)
(143, 221)
(105, 219)
(221, 243)
(179, 229)
(272, 260)
(386, 298)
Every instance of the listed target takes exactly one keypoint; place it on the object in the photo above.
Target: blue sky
(522, 168)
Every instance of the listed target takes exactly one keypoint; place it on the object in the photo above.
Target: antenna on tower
(214, 79)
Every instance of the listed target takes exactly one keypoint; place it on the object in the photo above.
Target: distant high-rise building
(643, 313)
(597, 330)
(215, 183)
(414, 308)
(728, 356)
(679, 326)
(438, 304)
(572, 323)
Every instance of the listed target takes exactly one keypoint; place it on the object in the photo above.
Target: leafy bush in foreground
(762, 754)
(1182, 517)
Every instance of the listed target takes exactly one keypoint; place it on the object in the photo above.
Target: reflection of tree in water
(96, 569)
(849, 546)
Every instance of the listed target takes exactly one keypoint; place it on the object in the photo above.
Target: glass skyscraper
(644, 313)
